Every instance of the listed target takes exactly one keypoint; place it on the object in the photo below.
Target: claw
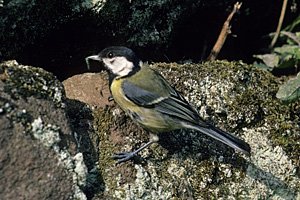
(110, 98)
(123, 156)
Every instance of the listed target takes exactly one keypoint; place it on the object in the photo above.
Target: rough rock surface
(39, 157)
(186, 165)
(49, 150)
(91, 88)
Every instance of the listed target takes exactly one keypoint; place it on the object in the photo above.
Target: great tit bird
(151, 102)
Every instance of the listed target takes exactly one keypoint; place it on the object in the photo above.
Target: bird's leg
(125, 156)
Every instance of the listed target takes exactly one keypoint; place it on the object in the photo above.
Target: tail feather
(223, 137)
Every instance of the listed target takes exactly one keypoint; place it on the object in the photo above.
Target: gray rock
(39, 156)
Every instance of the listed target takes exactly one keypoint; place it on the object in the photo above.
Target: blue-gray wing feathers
(172, 104)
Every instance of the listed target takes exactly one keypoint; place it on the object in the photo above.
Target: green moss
(103, 123)
(30, 81)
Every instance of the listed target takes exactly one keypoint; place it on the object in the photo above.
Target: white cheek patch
(119, 66)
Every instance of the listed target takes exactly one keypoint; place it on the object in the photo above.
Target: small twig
(224, 32)
(282, 14)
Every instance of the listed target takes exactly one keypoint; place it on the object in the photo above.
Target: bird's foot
(123, 156)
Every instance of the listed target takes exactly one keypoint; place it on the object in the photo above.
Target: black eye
(110, 55)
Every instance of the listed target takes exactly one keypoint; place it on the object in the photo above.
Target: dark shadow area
(81, 119)
(201, 147)
(58, 39)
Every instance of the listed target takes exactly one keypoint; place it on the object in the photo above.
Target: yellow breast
(119, 96)
(148, 118)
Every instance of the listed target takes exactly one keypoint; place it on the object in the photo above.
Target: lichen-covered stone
(42, 156)
(25, 81)
(188, 165)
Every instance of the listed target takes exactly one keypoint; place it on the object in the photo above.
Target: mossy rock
(186, 165)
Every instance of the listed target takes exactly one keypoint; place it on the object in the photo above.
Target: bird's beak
(94, 57)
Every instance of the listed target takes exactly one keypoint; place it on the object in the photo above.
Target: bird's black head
(119, 51)
(119, 61)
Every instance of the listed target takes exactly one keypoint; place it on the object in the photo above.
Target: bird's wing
(142, 96)
(162, 97)
(157, 94)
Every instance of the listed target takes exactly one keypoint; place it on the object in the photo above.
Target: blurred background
(57, 35)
